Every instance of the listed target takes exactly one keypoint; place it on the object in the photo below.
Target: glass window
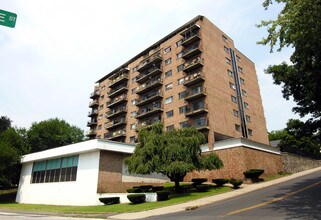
(235, 113)
(180, 67)
(232, 86)
(132, 126)
(248, 118)
(238, 58)
(246, 105)
(168, 49)
(240, 69)
(133, 113)
(170, 114)
(182, 109)
(101, 107)
(180, 81)
(103, 88)
(181, 95)
(242, 81)
(134, 101)
(244, 93)
(178, 43)
(170, 127)
(179, 55)
(250, 132)
(233, 98)
(184, 124)
(168, 73)
(230, 73)
(169, 100)
(226, 50)
(168, 61)
(224, 38)
(228, 61)
(132, 139)
(237, 127)
(169, 86)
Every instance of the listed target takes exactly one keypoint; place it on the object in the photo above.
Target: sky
(50, 61)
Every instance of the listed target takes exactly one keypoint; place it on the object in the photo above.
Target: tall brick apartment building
(194, 76)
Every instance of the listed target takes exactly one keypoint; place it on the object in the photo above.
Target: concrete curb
(212, 199)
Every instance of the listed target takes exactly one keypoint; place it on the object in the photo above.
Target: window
(134, 90)
(169, 86)
(230, 73)
(167, 50)
(246, 105)
(178, 43)
(101, 107)
(237, 127)
(244, 93)
(242, 81)
(168, 73)
(102, 97)
(56, 170)
(224, 38)
(240, 69)
(135, 68)
(232, 86)
(103, 88)
(168, 61)
(233, 98)
(133, 114)
(182, 109)
(100, 117)
(134, 79)
(132, 139)
(227, 60)
(180, 67)
(169, 100)
(238, 58)
(250, 132)
(132, 126)
(181, 95)
(235, 113)
(248, 118)
(170, 127)
(226, 50)
(180, 81)
(134, 101)
(184, 124)
(99, 127)
(170, 114)
(179, 55)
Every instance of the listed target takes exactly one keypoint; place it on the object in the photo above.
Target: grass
(118, 208)
(276, 176)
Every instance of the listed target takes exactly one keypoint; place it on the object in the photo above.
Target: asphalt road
(295, 199)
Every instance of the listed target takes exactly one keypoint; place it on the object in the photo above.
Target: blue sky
(50, 61)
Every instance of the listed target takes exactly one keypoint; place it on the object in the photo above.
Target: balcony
(196, 110)
(116, 123)
(149, 110)
(115, 135)
(195, 93)
(116, 112)
(193, 79)
(116, 81)
(150, 73)
(149, 85)
(115, 101)
(92, 113)
(117, 91)
(93, 104)
(150, 61)
(94, 95)
(91, 133)
(193, 64)
(147, 123)
(190, 37)
(191, 51)
(200, 124)
(190, 29)
(149, 98)
(92, 123)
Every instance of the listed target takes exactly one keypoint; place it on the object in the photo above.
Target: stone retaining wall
(294, 163)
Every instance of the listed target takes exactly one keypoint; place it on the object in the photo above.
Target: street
(296, 199)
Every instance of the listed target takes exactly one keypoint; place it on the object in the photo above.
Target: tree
(12, 147)
(277, 135)
(5, 123)
(52, 133)
(173, 153)
(298, 25)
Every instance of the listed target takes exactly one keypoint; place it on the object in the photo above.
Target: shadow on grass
(8, 197)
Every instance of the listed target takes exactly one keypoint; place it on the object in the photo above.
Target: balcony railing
(149, 73)
(190, 38)
(91, 133)
(192, 50)
(200, 124)
(147, 123)
(190, 29)
(116, 112)
(194, 93)
(93, 104)
(92, 113)
(92, 123)
(115, 123)
(193, 79)
(196, 110)
(149, 61)
(121, 78)
(116, 101)
(149, 110)
(94, 95)
(149, 98)
(193, 64)
(149, 85)
(120, 89)
(115, 134)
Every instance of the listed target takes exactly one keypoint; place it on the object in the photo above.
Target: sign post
(8, 18)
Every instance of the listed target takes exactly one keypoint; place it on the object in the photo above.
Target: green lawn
(176, 198)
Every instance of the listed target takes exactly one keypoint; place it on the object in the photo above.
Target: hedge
(162, 195)
(202, 188)
(220, 182)
(136, 198)
(236, 183)
(157, 188)
(110, 200)
(198, 181)
(253, 173)
(134, 190)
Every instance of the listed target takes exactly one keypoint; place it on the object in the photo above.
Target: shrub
(253, 173)
(236, 183)
(198, 181)
(220, 182)
(136, 198)
(157, 188)
(202, 188)
(110, 200)
(145, 188)
(134, 190)
(162, 195)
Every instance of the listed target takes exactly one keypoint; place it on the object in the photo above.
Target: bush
(136, 198)
(157, 188)
(145, 188)
(220, 182)
(198, 181)
(110, 200)
(162, 195)
(134, 190)
(253, 173)
(202, 188)
(236, 183)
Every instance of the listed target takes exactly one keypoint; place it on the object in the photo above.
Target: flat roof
(81, 147)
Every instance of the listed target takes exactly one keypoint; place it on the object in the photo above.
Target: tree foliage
(52, 133)
(298, 25)
(173, 153)
(5, 123)
(277, 135)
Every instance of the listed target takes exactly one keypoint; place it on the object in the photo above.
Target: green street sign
(8, 18)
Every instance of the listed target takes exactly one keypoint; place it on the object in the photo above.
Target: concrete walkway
(208, 200)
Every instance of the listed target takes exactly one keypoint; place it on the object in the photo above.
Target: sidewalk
(208, 200)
